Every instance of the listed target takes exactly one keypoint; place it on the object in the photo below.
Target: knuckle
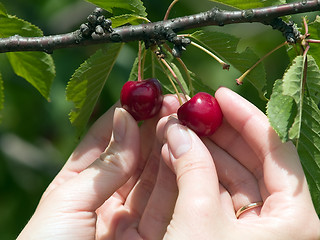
(114, 161)
(192, 167)
(201, 206)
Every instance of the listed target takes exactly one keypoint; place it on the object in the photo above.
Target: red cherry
(201, 113)
(142, 99)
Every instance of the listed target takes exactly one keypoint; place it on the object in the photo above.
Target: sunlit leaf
(245, 4)
(225, 46)
(127, 19)
(87, 82)
(305, 131)
(281, 110)
(119, 7)
(3, 11)
(308, 147)
(314, 31)
(293, 86)
(11, 25)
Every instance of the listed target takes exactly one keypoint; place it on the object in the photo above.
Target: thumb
(93, 186)
(196, 175)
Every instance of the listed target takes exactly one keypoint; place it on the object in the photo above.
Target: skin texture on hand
(243, 162)
(161, 181)
(104, 187)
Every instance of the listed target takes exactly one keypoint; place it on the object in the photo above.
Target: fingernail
(179, 140)
(119, 124)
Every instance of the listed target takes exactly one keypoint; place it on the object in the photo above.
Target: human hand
(242, 163)
(104, 189)
(133, 196)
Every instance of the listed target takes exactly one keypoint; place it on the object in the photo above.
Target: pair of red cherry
(143, 100)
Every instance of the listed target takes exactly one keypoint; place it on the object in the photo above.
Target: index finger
(282, 170)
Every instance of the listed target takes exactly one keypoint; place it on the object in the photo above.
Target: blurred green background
(36, 137)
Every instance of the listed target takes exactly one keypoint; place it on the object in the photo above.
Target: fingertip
(165, 153)
(221, 89)
(187, 156)
(162, 125)
(224, 94)
(123, 119)
(170, 105)
(183, 146)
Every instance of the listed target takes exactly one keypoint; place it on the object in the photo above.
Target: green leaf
(293, 86)
(11, 25)
(3, 11)
(314, 30)
(305, 131)
(225, 46)
(281, 110)
(199, 86)
(1, 94)
(153, 68)
(87, 82)
(119, 7)
(308, 147)
(127, 19)
(35, 67)
(314, 190)
(245, 4)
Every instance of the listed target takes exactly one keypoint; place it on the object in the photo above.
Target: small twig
(143, 63)
(172, 83)
(313, 41)
(188, 75)
(240, 79)
(139, 63)
(169, 9)
(306, 28)
(219, 60)
(184, 68)
(305, 52)
(175, 77)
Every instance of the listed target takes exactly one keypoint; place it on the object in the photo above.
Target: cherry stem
(188, 75)
(175, 77)
(139, 63)
(306, 29)
(143, 61)
(312, 40)
(306, 51)
(240, 79)
(219, 60)
(169, 9)
(184, 68)
(172, 83)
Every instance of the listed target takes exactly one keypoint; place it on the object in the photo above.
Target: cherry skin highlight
(142, 99)
(201, 113)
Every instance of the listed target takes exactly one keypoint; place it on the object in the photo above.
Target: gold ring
(248, 207)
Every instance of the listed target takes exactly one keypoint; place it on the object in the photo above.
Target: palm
(127, 211)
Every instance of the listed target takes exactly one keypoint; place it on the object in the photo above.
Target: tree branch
(163, 30)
